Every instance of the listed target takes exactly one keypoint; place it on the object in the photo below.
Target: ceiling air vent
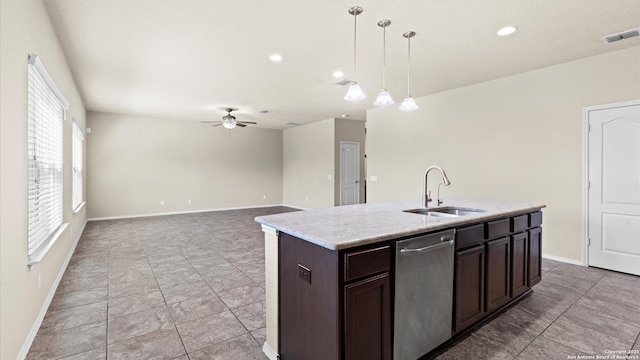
(344, 82)
(620, 36)
(292, 123)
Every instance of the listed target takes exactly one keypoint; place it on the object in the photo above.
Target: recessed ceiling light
(337, 74)
(275, 57)
(344, 115)
(507, 30)
(263, 111)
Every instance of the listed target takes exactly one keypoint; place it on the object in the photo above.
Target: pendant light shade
(355, 92)
(384, 98)
(409, 104)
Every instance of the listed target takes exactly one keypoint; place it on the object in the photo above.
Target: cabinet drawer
(366, 262)
(519, 223)
(535, 219)
(469, 236)
(497, 228)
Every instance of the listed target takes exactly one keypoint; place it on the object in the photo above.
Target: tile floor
(192, 287)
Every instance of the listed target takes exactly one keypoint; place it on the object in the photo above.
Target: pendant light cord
(355, 26)
(384, 57)
(409, 69)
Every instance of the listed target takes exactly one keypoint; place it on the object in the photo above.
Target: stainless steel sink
(445, 212)
(430, 212)
(453, 210)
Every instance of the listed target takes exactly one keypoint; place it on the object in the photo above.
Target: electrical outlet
(373, 178)
(304, 273)
(161, 202)
(306, 199)
(189, 201)
(264, 197)
(329, 177)
(39, 281)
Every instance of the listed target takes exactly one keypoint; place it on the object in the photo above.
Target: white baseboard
(271, 354)
(563, 259)
(43, 311)
(295, 207)
(180, 212)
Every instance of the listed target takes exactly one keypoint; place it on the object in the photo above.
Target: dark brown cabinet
(495, 263)
(534, 256)
(469, 287)
(498, 273)
(519, 264)
(337, 305)
(334, 304)
(367, 319)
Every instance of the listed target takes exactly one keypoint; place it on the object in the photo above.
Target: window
(76, 196)
(46, 112)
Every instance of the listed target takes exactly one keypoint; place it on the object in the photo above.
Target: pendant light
(355, 92)
(409, 104)
(384, 98)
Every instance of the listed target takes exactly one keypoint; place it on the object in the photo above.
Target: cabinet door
(535, 256)
(469, 287)
(498, 273)
(519, 254)
(367, 319)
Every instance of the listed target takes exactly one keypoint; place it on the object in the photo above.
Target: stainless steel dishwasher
(423, 294)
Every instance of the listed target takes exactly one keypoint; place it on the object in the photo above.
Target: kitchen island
(330, 272)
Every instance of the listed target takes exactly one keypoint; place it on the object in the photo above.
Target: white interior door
(614, 188)
(349, 173)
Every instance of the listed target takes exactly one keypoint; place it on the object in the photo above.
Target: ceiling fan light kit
(229, 121)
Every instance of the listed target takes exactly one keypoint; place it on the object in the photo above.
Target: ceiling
(188, 59)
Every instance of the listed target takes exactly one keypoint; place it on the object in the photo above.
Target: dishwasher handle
(445, 241)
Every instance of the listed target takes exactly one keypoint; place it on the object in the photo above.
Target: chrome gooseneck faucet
(427, 194)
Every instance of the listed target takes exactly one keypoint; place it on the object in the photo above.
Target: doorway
(349, 172)
(612, 188)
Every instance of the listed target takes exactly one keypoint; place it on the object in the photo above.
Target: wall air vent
(292, 123)
(620, 36)
(344, 82)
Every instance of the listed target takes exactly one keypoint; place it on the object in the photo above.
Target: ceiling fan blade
(216, 125)
(210, 122)
(249, 122)
(240, 124)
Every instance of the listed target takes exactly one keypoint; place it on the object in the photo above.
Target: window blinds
(46, 111)
(76, 196)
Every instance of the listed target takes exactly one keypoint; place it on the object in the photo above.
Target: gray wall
(308, 163)
(349, 130)
(136, 162)
(517, 138)
(25, 28)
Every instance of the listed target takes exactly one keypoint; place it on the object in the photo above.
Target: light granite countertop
(343, 227)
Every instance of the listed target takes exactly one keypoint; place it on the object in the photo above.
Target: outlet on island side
(304, 273)
(161, 202)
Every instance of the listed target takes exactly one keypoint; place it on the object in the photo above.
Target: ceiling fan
(229, 121)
